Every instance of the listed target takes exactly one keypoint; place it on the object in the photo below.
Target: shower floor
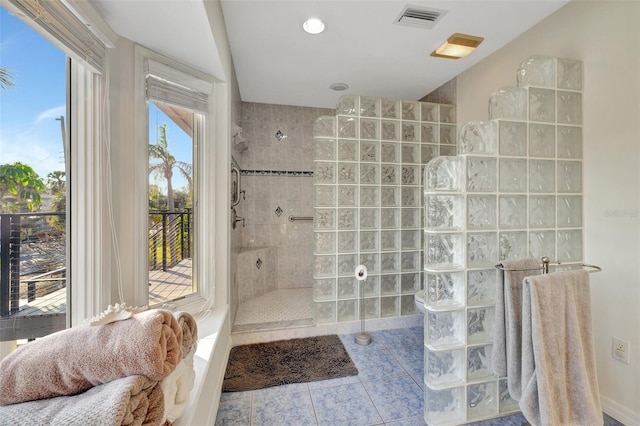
(282, 308)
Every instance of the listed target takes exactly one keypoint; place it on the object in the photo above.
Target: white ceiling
(276, 62)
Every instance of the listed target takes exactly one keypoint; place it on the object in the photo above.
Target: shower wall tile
(429, 133)
(512, 211)
(542, 176)
(537, 71)
(478, 137)
(347, 105)
(481, 212)
(569, 142)
(481, 174)
(570, 176)
(569, 107)
(391, 108)
(509, 103)
(369, 107)
(428, 153)
(512, 245)
(284, 184)
(512, 175)
(481, 286)
(542, 140)
(514, 191)
(367, 202)
(542, 105)
(569, 211)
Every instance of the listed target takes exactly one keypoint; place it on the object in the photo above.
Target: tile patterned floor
(387, 391)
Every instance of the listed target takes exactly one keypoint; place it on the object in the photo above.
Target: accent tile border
(291, 173)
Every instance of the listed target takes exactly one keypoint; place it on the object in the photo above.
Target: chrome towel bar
(546, 263)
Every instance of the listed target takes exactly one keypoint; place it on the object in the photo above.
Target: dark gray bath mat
(263, 365)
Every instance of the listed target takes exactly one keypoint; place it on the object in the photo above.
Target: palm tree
(164, 168)
(56, 182)
(6, 78)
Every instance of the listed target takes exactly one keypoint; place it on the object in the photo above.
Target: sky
(29, 131)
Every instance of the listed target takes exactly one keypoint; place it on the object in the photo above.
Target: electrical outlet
(621, 350)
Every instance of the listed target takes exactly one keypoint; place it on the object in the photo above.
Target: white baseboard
(619, 412)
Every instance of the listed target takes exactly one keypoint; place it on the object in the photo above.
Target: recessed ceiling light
(457, 46)
(339, 87)
(313, 26)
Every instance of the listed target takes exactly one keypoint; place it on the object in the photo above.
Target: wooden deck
(47, 314)
(42, 316)
(172, 284)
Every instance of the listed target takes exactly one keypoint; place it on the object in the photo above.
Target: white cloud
(41, 148)
(52, 113)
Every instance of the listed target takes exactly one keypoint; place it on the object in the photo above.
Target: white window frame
(203, 273)
(90, 240)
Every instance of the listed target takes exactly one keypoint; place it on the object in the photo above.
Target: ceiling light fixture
(457, 46)
(339, 87)
(313, 26)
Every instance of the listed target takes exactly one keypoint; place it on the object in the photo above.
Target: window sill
(209, 365)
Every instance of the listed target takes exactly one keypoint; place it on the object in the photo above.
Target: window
(171, 214)
(33, 184)
(79, 128)
(177, 104)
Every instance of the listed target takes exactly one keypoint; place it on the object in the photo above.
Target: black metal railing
(170, 238)
(32, 257)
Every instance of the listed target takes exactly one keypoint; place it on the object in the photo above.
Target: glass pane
(171, 189)
(33, 185)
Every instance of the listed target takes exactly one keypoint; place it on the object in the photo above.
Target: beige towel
(507, 338)
(73, 360)
(559, 380)
(133, 400)
(189, 328)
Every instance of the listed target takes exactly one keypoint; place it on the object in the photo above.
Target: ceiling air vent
(421, 18)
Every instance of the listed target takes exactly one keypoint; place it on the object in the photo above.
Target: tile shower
(368, 162)
(515, 190)
(277, 178)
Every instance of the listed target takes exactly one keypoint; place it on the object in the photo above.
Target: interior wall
(123, 160)
(605, 35)
(445, 94)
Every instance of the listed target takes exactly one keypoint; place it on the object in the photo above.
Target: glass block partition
(515, 190)
(367, 202)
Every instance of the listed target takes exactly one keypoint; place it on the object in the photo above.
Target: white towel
(507, 338)
(559, 380)
(176, 388)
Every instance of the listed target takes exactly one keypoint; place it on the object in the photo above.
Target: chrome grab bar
(236, 195)
(295, 218)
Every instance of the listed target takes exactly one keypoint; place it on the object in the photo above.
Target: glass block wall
(514, 191)
(367, 202)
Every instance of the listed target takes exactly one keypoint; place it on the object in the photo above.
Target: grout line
(313, 406)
